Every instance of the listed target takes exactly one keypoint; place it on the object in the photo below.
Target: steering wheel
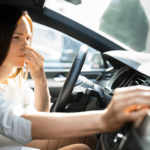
(71, 80)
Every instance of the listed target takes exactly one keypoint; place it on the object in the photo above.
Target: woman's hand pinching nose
(35, 63)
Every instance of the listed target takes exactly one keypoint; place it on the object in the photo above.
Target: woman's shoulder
(15, 80)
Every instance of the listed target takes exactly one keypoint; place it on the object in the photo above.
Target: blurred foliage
(126, 21)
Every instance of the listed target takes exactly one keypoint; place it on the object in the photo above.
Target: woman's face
(21, 36)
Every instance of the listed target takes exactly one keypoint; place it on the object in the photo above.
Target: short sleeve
(11, 125)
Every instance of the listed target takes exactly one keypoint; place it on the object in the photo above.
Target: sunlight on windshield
(126, 21)
(83, 13)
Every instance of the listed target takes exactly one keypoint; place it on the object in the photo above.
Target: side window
(59, 50)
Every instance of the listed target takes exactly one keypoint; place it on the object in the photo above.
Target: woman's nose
(27, 42)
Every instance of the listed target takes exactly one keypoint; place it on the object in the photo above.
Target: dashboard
(135, 60)
(130, 69)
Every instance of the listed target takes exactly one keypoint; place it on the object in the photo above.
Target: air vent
(125, 77)
(136, 79)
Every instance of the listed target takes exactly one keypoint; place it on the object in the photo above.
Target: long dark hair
(9, 17)
(8, 23)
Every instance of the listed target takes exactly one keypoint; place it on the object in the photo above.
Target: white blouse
(24, 98)
(14, 128)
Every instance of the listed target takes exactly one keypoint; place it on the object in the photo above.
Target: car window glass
(59, 50)
(125, 22)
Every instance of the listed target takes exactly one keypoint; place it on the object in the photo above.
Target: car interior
(76, 89)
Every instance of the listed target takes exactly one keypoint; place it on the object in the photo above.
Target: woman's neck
(4, 73)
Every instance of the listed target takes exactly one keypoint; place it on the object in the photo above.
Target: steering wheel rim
(71, 79)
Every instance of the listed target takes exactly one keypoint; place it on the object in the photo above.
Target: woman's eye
(16, 37)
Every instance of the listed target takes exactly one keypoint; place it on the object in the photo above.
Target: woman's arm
(64, 125)
(35, 62)
(42, 96)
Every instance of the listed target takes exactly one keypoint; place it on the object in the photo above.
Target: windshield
(125, 22)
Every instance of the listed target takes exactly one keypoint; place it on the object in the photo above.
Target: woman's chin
(20, 65)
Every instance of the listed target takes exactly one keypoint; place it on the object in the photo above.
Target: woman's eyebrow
(19, 33)
(22, 34)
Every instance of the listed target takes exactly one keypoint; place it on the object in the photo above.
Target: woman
(15, 37)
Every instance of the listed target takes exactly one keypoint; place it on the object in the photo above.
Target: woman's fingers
(127, 104)
(131, 100)
(132, 115)
(135, 115)
(29, 55)
(31, 61)
(134, 101)
(132, 89)
(33, 58)
(29, 65)
(28, 48)
(35, 62)
(130, 96)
